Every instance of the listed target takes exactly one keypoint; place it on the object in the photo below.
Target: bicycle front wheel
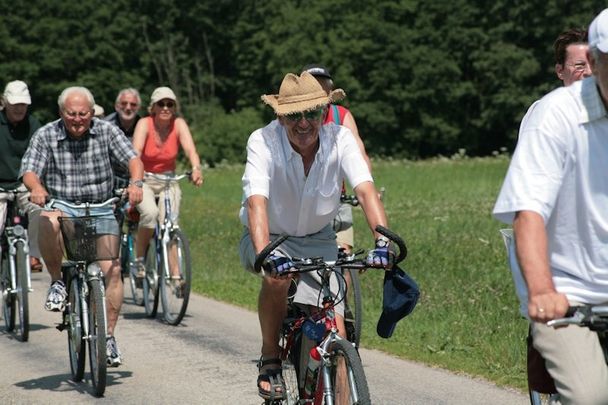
(72, 316)
(22, 291)
(136, 283)
(8, 298)
(348, 382)
(150, 281)
(97, 336)
(353, 311)
(176, 281)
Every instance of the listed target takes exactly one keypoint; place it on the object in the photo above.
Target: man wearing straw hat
(295, 166)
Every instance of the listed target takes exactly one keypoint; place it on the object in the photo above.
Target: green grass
(466, 319)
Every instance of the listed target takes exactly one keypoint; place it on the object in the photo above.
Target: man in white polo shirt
(292, 184)
(556, 196)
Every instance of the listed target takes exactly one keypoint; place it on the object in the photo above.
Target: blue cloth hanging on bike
(399, 297)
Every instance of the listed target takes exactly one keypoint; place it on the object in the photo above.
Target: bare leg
(50, 242)
(142, 240)
(272, 309)
(114, 291)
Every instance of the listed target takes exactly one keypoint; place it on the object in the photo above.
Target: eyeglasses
(75, 114)
(125, 103)
(578, 66)
(163, 104)
(308, 115)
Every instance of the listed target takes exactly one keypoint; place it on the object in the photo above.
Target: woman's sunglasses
(163, 104)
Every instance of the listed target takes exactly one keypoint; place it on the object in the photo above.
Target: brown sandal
(274, 377)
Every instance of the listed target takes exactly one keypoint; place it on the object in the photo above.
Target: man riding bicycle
(555, 196)
(70, 159)
(292, 183)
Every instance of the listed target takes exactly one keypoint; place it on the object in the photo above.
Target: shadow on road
(63, 382)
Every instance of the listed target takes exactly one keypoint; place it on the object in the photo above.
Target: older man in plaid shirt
(70, 159)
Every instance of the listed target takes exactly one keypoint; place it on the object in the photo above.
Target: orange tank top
(160, 157)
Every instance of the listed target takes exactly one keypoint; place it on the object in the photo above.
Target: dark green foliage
(422, 77)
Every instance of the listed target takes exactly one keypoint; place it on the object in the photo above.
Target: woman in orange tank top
(156, 140)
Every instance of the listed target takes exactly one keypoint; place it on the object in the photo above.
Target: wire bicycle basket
(89, 238)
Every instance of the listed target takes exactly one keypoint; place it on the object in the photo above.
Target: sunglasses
(308, 115)
(163, 104)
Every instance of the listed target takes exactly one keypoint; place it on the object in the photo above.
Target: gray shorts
(320, 244)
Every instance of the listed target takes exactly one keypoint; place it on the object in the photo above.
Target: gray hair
(75, 89)
(129, 90)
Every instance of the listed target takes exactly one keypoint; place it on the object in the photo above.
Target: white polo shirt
(560, 170)
(300, 205)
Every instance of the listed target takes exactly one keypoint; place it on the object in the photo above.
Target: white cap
(16, 92)
(98, 110)
(161, 93)
(598, 32)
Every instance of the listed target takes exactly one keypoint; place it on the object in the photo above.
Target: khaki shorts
(346, 237)
(322, 243)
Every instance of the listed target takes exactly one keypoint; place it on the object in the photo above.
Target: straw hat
(300, 93)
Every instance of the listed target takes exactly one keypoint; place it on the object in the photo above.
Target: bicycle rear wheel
(22, 304)
(175, 289)
(72, 316)
(97, 336)
(8, 298)
(150, 281)
(353, 311)
(346, 369)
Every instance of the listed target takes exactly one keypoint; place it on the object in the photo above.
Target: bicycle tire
(97, 336)
(353, 315)
(21, 297)
(175, 294)
(537, 398)
(8, 299)
(150, 281)
(72, 316)
(137, 293)
(359, 391)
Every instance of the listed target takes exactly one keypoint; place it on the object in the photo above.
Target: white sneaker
(55, 300)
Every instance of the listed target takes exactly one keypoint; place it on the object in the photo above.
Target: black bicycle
(319, 366)
(15, 281)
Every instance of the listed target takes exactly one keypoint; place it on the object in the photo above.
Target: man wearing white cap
(291, 185)
(16, 129)
(556, 196)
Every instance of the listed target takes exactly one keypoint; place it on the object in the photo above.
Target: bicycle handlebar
(594, 317)
(81, 206)
(168, 177)
(308, 265)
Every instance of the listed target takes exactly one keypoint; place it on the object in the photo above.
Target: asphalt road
(209, 359)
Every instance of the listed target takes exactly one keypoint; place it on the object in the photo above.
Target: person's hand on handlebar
(39, 196)
(276, 264)
(135, 194)
(382, 255)
(196, 177)
(547, 306)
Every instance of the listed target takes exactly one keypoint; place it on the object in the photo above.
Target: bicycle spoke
(176, 281)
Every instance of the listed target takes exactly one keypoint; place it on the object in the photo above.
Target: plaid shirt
(77, 169)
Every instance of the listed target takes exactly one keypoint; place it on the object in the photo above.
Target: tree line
(422, 78)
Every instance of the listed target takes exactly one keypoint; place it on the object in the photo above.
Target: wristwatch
(138, 183)
(382, 242)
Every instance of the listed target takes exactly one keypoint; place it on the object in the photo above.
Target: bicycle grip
(259, 259)
(394, 238)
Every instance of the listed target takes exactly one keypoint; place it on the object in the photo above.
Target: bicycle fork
(328, 394)
(93, 273)
(12, 253)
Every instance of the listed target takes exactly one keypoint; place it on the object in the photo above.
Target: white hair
(75, 89)
(129, 90)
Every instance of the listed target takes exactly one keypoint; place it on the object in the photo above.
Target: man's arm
(136, 170)
(372, 206)
(258, 222)
(349, 122)
(38, 193)
(544, 302)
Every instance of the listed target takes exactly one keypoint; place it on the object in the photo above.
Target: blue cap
(399, 298)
